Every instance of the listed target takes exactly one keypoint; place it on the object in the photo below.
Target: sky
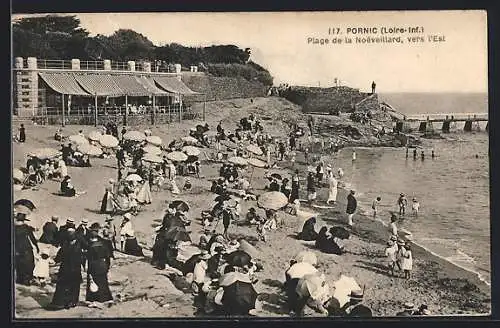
(279, 42)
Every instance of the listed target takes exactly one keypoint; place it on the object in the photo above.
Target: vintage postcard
(255, 164)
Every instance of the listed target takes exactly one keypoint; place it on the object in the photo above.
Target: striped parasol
(134, 136)
(108, 141)
(95, 135)
(154, 140)
(153, 150)
(191, 150)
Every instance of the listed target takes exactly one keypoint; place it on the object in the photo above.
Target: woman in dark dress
(308, 233)
(322, 237)
(69, 276)
(284, 188)
(295, 187)
(274, 186)
(24, 258)
(98, 257)
(67, 188)
(159, 258)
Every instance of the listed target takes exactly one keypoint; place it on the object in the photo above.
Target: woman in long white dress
(332, 188)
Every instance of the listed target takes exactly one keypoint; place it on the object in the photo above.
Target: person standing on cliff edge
(374, 85)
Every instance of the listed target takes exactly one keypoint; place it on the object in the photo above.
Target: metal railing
(99, 65)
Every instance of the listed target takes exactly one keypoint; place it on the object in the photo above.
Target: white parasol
(152, 158)
(177, 156)
(273, 200)
(299, 270)
(307, 257)
(88, 149)
(154, 140)
(134, 136)
(238, 161)
(190, 140)
(255, 162)
(45, 153)
(18, 174)
(255, 150)
(343, 287)
(191, 150)
(95, 135)
(108, 141)
(229, 144)
(134, 177)
(153, 150)
(78, 139)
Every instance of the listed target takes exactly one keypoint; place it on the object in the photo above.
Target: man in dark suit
(50, 232)
(63, 231)
(82, 235)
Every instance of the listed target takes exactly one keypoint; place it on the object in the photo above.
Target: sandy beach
(148, 292)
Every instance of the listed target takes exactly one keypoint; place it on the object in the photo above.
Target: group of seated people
(229, 172)
(74, 158)
(40, 170)
(328, 241)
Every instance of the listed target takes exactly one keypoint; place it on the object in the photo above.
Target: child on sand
(375, 205)
(407, 260)
(41, 271)
(390, 252)
(415, 206)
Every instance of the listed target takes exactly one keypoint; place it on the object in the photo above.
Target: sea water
(452, 189)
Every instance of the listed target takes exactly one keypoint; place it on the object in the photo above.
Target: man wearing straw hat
(355, 306)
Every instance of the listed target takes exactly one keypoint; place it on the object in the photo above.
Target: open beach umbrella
(45, 153)
(239, 298)
(152, 158)
(177, 234)
(78, 139)
(229, 144)
(134, 136)
(179, 205)
(88, 149)
(94, 135)
(255, 150)
(229, 278)
(255, 162)
(343, 287)
(17, 174)
(299, 270)
(22, 209)
(307, 257)
(238, 258)
(177, 156)
(314, 286)
(191, 150)
(154, 140)
(189, 140)
(236, 160)
(153, 150)
(248, 248)
(108, 141)
(25, 202)
(134, 177)
(276, 176)
(272, 200)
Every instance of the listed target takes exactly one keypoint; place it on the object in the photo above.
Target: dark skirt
(132, 247)
(25, 264)
(294, 194)
(103, 294)
(67, 291)
(107, 204)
